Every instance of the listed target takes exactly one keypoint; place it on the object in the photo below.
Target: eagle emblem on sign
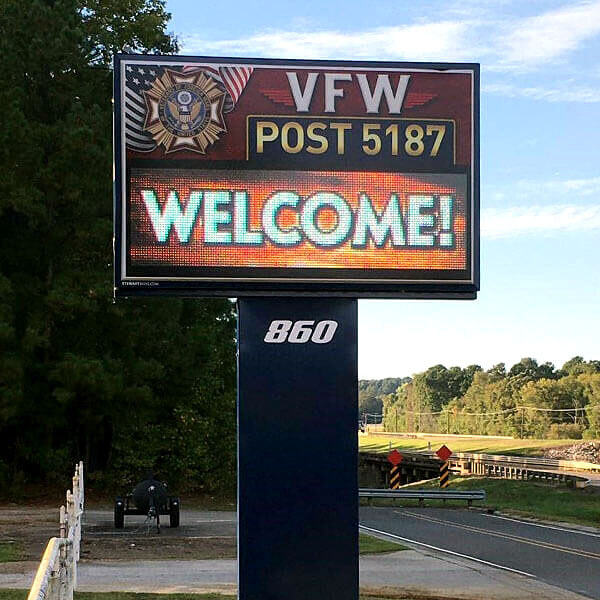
(184, 111)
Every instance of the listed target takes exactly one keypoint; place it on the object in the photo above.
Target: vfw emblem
(184, 111)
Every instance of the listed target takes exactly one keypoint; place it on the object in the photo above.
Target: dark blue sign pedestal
(297, 449)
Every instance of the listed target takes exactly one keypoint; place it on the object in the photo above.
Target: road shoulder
(414, 572)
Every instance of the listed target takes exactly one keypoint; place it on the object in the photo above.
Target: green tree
(371, 393)
(497, 372)
(577, 366)
(591, 387)
(528, 369)
(495, 402)
(553, 395)
(121, 386)
(369, 403)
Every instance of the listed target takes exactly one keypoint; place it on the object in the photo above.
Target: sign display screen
(272, 177)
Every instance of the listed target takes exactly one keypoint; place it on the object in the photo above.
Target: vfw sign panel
(253, 177)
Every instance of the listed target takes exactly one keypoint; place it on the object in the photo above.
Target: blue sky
(540, 155)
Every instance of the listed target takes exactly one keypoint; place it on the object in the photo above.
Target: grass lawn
(22, 595)
(368, 544)
(381, 443)
(524, 498)
(10, 551)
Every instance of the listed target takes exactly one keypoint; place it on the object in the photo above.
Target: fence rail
(56, 577)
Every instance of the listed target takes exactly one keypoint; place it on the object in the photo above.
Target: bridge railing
(56, 577)
(524, 467)
(530, 461)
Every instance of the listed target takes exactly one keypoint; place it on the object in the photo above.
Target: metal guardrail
(422, 495)
(56, 577)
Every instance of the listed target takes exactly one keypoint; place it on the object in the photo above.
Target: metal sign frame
(251, 281)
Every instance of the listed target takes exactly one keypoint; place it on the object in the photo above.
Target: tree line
(529, 400)
(372, 391)
(150, 383)
(125, 386)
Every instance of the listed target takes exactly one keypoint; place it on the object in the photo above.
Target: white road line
(136, 533)
(216, 521)
(208, 537)
(479, 560)
(109, 532)
(555, 527)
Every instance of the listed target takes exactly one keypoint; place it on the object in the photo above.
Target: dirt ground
(30, 527)
(201, 535)
(155, 547)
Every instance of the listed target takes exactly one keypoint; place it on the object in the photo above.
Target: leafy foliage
(123, 386)
(530, 400)
(372, 391)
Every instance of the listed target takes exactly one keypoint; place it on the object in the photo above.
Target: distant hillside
(372, 391)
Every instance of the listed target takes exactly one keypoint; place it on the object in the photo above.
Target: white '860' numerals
(300, 332)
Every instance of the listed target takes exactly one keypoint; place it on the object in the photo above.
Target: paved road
(563, 557)
(195, 524)
(425, 572)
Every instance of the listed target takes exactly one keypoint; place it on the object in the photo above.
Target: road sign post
(445, 474)
(444, 453)
(395, 458)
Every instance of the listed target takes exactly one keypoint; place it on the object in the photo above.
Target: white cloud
(549, 36)
(434, 41)
(553, 191)
(571, 94)
(505, 44)
(512, 221)
(581, 187)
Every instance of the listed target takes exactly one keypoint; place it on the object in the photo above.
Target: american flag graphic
(139, 78)
(232, 79)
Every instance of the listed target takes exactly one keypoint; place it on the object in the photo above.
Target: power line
(500, 412)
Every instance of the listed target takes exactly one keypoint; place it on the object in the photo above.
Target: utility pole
(522, 420)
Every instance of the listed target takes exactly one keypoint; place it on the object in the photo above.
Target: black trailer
(150, 499)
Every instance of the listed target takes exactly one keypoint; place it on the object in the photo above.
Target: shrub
(560, 431)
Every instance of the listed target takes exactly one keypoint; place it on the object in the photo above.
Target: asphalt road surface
(566, 558)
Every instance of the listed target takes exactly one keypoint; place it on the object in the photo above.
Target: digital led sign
(257, 177)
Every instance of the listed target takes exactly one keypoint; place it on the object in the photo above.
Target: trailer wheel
(174, 512)
(119, 513)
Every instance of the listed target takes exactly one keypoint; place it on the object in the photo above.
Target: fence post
(62, 520)
(56, 577)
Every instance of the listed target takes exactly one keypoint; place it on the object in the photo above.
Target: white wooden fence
(56, 577)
